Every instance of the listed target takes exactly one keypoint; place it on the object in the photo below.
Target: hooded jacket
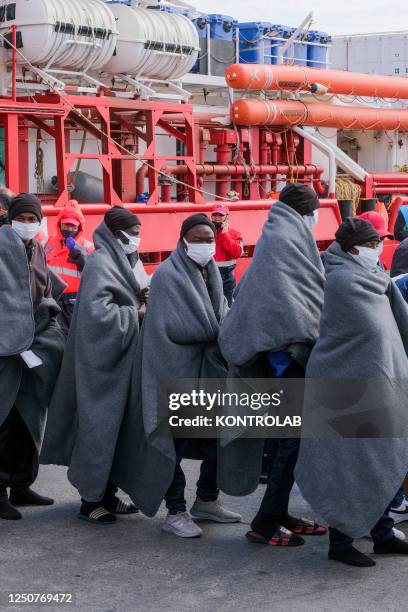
(68, 264)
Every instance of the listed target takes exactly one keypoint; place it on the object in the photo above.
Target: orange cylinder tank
(287, 113)
(300, 78)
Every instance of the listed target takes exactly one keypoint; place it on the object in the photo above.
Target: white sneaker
(213, 511)
(181, 525)
(400, 535)
(400, 514)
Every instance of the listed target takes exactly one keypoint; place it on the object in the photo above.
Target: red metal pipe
(141, 175)
(390, 177)
(14, 62)
(234, 169)
(166, 193)
(300, 78)
(223, 154)
(188, 207)
(263, 161)
(287, 113)
(390, 190)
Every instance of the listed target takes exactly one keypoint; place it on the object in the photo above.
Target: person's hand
(142, 310)
(144, 295)
(225, 226)
(71, 244)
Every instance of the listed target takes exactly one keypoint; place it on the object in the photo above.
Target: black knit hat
(300, 197)
(354, 231)
(119, 218)
(193, 220)
(23, 203)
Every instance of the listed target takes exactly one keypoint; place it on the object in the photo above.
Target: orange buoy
(287, 113)
(301, 78)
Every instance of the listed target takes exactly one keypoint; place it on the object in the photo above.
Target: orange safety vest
(57, 258)
(57, 253)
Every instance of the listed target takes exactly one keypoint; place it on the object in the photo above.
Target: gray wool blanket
(178, 340)
(91, 397)
(277, 308)
(364, 335)
(20, 330)
(279, 299)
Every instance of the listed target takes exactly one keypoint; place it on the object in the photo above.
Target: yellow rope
(346, 189)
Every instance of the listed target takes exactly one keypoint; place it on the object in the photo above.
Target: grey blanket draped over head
(364, 335)
(90, 399)
(22, 329)
(178, 340)
(277, 308)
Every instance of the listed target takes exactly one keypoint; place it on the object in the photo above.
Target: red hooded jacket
(60, 259)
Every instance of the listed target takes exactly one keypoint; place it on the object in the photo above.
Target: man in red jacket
(229, 246)
(66, 253)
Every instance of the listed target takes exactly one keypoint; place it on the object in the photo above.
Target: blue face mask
(69, 233)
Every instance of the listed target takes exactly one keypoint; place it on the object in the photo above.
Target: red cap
(220, 209)
(378, 222)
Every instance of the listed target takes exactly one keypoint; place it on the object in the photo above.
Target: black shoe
(96, 513)
(7, 511)
(351, 556)
(27, 497)
(391, 547)
(115, 505)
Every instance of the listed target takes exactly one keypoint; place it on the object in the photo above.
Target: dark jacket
(40, 282)
(400, 259)
(400, 227)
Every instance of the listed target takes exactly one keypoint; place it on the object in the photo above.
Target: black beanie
(354, 231)
(301, 198)
(193, 220)
(23, 203)
(119, 218)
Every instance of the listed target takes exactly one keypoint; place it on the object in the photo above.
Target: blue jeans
(207, 483)
(228, 282)
(281, 458)
(398, 499)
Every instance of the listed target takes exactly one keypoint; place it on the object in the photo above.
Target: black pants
(228, 282)
(18, 455)
(380, 532)
(67, 304)
(207, 483)
(281, 458)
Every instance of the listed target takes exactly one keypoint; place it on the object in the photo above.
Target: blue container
(298, 51)
(317, 54)
(255, 42)
(222, 27)
(201, 25)
(260, 42)
(201, 22)
(175, 10)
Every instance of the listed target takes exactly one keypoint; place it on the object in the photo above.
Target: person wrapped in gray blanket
(179, 340)
(364, 336)
(91, 397)
(31, 347)
(269, 333)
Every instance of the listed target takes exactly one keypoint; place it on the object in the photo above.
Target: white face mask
(200, 253)
(133, 244)
(311, 220)
(368, 257)
(26, 231)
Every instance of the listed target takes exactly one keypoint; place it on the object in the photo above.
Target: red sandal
(282, 537)
(304, 527)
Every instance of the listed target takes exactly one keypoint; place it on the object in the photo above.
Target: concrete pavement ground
(133, 566)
